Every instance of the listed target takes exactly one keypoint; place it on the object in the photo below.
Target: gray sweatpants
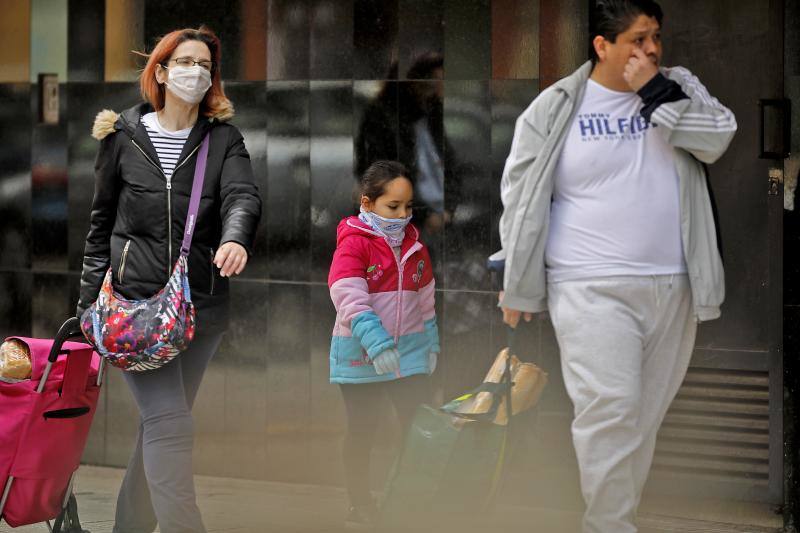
(159, 484)
(625, 347)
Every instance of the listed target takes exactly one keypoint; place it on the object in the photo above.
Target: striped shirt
(168, 144)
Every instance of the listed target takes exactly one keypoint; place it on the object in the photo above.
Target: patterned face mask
(392, 229)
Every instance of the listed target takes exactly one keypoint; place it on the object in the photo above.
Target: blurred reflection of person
(404, 123)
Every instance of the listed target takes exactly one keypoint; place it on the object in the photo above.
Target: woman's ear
(161, 75)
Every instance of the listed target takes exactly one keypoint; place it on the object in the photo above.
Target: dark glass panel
(421, 32)
(467, 120)
(332, 183)
(468, 40)
(331, 45)
(250, 101)
(288, 40)
(15, 175)
(288, 204)
(375, 27)
(86, 40)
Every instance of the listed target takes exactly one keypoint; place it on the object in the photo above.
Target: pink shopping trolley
(44, 424)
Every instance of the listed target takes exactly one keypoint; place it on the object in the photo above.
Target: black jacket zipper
(169, 197)
(211, 292)
(121, 272)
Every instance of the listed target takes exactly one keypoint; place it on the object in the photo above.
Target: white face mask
(188, 83)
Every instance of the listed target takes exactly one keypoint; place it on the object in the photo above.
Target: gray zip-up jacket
(689, 118)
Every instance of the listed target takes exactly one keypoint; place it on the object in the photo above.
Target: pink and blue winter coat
(381, 302)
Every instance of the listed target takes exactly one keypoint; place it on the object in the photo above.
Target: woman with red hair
(143, 180)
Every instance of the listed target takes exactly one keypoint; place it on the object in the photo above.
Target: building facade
(305, 77)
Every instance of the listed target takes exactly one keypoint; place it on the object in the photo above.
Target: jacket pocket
(122, 261)
(211, 269)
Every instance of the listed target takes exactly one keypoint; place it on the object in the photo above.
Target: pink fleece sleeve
(347, 280)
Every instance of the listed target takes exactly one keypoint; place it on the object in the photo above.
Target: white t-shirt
(168, 144)
(616, 205)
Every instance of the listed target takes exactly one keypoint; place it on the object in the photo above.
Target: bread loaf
(15, 360)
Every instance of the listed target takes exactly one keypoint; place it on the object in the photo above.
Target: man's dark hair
(609, 18)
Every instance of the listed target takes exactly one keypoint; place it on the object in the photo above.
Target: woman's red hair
(215, 104)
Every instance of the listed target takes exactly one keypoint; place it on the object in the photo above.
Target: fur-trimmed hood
(107, 121)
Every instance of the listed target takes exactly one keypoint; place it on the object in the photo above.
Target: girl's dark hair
(379, 173)
(609, 18)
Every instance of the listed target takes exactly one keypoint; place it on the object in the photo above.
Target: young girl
(385, 340)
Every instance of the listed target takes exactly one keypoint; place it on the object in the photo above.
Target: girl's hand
(387, 362)
(231, 259)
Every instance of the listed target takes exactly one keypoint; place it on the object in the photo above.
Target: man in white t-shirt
(608, 224)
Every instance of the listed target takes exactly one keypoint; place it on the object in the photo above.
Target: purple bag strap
(194, 201)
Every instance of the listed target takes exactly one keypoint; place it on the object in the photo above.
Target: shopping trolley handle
(69, 330)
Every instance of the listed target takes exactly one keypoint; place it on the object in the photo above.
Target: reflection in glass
(86, 40)
(15, 41)
(288, 40)
(252, 52)
(468, 40)
(50, 303)
(15, 305)
(15, 175)
(404, 122)
(124, 31)
(332, 194)
(287, 203)
(47, 40)
(564, 38)
(465, 329)
(49, 184)
(228, 21)
(421, 31)
(242, 360)
(467, 121)
(288, 383)
(85, 101)
(250, 102)
(331, 40)
(327, 409)
(515, 39)
(375, 26)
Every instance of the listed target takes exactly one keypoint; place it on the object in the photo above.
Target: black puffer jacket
(137, 223)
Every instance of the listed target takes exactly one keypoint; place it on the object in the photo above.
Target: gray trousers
(159, 484)
(625, 346)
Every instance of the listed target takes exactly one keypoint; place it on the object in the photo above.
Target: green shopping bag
(450, 462)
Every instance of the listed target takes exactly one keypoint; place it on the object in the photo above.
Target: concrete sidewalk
(243, 506)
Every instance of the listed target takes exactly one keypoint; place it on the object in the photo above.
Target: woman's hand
(231, 259)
